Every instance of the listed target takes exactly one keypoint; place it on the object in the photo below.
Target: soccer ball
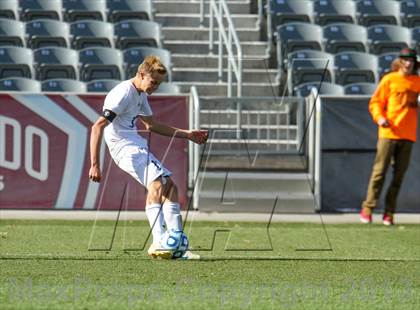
(176, 242)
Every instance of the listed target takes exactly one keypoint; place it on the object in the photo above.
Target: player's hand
(383, 122)
(199, 136)
(95, 174)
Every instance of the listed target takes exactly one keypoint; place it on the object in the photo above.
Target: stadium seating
(88, 33)
(120, 10)
(415, 37)
(326, 88)
(56, 62)
(360, 89)
(9, 9)
(16, 62)
(287, 11)
(12, 32)
(100, 63)
(47, 32)
(20, 84)
(384, 62)
(134, 56)
(40, 9)
(355, 67)
(134, 33)
(328, 12)
(84, 9)
(342, 37)
(410, 13)
(307, 66)
(388, 38)
(168, 88)
(374, 12)
(63, 85)
(101, 86)
(297, 36)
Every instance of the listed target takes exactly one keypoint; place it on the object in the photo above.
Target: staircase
(188, 42)
(228, 183)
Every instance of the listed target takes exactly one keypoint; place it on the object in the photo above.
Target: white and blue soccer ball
(176, 242)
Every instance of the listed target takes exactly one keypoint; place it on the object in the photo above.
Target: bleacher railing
(228, 42)
(313, 126)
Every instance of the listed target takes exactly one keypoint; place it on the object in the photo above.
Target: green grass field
(79, 265)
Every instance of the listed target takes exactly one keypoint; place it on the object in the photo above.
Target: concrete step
(202, 47)
(254, 182)
(220, 89)
(211, 61)
(202, 34)
(183, 6)
(263, 162)
(257, 202)
(211, 75)
(193, 20)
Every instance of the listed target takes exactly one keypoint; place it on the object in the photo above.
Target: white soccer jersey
(128, 149)
(127, 103)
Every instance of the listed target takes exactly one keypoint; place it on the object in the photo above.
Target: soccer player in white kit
(123, 105)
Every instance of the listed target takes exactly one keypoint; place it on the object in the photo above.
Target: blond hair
(150, 65)
(397, 64)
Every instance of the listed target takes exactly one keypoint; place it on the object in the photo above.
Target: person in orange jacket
(394, 108)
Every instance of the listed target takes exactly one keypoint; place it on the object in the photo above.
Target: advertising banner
(45, 157)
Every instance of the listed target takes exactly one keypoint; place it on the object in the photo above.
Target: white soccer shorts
(141, 164)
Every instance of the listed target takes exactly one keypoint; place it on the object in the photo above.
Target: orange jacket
(396, 99)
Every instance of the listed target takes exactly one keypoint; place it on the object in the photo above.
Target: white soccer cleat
(188, 255)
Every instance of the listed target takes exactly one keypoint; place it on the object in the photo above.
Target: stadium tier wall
(44, 153)
(348, 139)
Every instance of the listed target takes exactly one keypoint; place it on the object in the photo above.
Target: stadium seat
(384, 62)
(120, 10)
(415, 38)
(56, 62)
(47, 32)
(374, 12)
(168, 88)
(309, 66)
(287, 11)
(342, 37)
(360, 89)
(84, 9)
(16, 62)
(88, 33)
(326, 88)
(355, 67)
(410, 13)
(20, 84)
(388, 38)
(12, 32)
(63, 85)
(99, 63)
(101, 86)
(135, 33)
(297, 36)
(135, 56)
(328, 12)
(9, 9)
(40, 9)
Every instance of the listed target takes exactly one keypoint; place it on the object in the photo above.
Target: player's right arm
(95, 143)
(378, 102)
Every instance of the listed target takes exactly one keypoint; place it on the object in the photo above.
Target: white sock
(155, 216)
(172, 215)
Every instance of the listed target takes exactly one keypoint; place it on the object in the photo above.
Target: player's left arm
(196, 136)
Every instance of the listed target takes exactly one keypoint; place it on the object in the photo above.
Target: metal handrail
(226, 41)
(314, 143)
(194, 123)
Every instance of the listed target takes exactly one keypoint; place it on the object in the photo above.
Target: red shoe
(366, 216)
(388, 219)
